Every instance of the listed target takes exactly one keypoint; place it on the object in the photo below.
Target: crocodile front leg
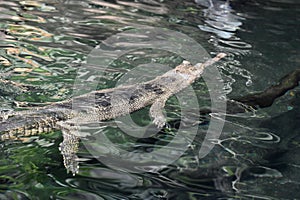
(156, 111)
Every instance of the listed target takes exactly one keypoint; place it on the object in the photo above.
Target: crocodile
(110, 103)
(101, 105)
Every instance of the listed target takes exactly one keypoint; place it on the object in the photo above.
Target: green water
(46, 45)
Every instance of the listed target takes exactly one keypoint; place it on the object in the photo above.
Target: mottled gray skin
(101, 105)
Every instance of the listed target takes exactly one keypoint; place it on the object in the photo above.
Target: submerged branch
(268, 96)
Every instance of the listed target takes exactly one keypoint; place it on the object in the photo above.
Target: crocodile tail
(28, 123)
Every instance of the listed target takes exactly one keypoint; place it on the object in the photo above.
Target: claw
(160, 121)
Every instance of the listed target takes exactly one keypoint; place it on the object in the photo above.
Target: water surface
(45, 43)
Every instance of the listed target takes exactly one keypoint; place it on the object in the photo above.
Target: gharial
(110, 103)
(107, 104)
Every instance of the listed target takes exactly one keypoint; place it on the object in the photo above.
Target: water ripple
(44, 43)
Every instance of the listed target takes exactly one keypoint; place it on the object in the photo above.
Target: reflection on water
(44, 43)
(220, 19)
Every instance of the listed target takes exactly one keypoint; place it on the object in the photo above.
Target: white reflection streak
(220, 18)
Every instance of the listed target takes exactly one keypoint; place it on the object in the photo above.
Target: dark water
(45, 44)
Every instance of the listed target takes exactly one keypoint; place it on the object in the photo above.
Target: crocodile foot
(69, 147)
